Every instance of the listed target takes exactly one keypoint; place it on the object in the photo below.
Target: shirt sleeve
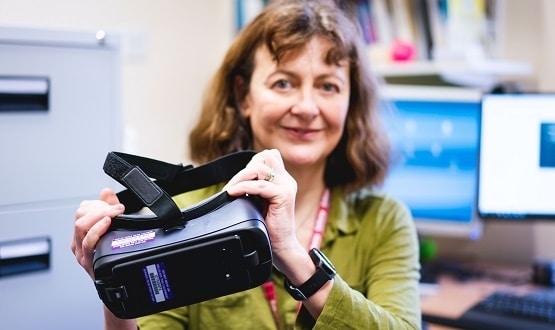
(389, 298)
(173, 319)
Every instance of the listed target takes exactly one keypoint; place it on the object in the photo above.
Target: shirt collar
(341, 221)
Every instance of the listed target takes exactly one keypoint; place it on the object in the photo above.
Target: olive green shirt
(372, 242)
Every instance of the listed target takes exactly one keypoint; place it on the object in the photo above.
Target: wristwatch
(324, 272)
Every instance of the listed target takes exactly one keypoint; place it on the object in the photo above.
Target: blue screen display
(434, 170)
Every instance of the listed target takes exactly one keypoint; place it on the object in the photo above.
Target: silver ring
(271, 175)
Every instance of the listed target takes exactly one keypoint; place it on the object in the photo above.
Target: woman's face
(298, 106)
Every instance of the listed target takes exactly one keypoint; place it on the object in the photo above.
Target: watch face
(324, 272)
(321, 261)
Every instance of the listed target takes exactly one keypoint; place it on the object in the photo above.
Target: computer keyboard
(504, 310)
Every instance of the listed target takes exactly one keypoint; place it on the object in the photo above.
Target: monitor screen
(434, 132)
(517, 156)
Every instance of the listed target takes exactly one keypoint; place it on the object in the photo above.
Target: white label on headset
(135, 239)
(157, 282)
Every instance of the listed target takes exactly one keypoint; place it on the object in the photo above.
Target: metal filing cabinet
(59, 117)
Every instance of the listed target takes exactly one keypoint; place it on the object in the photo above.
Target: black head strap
(151, 183)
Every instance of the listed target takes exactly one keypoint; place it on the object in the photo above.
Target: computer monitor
(517, 156)
(434, 133)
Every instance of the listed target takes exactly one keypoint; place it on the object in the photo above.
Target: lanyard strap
(321, 219)
(315, 242)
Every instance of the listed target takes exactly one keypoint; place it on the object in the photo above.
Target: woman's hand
(92, 220)
(265, 176)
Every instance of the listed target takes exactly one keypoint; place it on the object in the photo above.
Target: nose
(306, 105)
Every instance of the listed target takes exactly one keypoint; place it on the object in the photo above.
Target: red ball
(402, 51)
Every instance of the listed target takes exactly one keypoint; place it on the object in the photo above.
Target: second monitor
(517, 156)
(435, 131)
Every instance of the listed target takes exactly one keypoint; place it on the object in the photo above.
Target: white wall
(527, 33)
(544, 237)
(547, 46)
(171, 49)
(173, 46)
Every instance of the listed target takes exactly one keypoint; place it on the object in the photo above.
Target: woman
(295, 86)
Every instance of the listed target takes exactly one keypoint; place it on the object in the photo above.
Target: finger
(99, 208)
(260, 167)
(93, 235)
(274, 165)
(89, 243)
(255, 172)
(92, 220)
(270, 175)
(87, 216)
(272, 157)
(109, 196)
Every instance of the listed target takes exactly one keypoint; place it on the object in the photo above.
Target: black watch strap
(324, 272)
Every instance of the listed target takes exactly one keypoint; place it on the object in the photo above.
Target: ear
(240, 89)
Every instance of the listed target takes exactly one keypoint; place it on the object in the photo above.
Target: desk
(453, 297)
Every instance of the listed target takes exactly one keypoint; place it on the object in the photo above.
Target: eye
(330, 87)
(282, 84)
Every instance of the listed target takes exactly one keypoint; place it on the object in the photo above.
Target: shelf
(477, 67)
(483, 74)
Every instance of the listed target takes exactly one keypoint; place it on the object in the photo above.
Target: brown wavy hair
(361, 157)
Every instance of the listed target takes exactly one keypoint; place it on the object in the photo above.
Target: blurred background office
(171, 48)
(167, 52)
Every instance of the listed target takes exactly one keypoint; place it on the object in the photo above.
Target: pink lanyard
(315, 242)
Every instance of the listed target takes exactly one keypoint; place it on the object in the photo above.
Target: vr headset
(171, 257)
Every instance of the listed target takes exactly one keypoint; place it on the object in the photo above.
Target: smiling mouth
(302, 132)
